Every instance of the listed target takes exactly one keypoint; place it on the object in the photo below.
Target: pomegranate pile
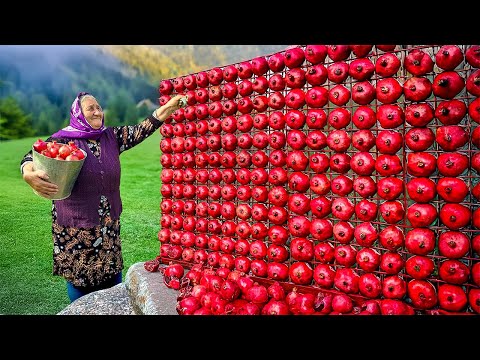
(330, 170)
(58, 151)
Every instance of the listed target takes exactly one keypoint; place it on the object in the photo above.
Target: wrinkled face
(93, 112)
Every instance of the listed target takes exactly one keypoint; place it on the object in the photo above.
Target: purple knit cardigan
(99, 176)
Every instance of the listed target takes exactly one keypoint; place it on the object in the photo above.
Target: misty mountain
(44, 79)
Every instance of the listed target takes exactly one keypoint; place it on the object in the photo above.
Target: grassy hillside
(28, 286)
(157, 62)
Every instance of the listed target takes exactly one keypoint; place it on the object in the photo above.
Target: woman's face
(93, 112)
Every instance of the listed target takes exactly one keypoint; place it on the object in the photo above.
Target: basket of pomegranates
(62, 163)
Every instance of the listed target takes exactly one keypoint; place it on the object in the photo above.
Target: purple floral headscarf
(79, 127)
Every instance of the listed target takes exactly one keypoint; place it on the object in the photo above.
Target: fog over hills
(43, 79)
(30, 66)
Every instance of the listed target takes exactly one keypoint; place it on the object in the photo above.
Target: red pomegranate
(387, 65)
(276, 62)
(366, 210)
(370, 285)
(342, 208)
(421, 215)
(338, 140)
(315, 119)
(455, 216)
(337, 72)
(363, 92)
(316, 75)
(338, 52)
(454, 272)
(343, 232)
(448, 57)
(419, 267)
(473, 83)
(421, 189)
(390, 116)
(418, 62)
(365, 186)
(452, 189)
(395, 307)
(341, 185)
(365, 234)
(294, 57)
(361, 69)
(363, 140)
(451, 297)
(368, 259)
(295, 78)
(324, 276)
(301, 273)
(420, 241)
(451, 137)
(364, 117)
(361, 50)
(388, 90)
(453, 244)
(422, 293)
(316, 97)
(277, 271)
(390, 188)
(472, 55)
(392, 211)
(474, 112)
(389, 141)
(315, 54)
(386, 47)
(419, 114)
(339, 95)
(419, 138)
(452, 164)
(319, 162)
(417, 88)
(321, 229)
(299, 226)
(346, 280)
(340, 163)
(391, 238)
(341, 304)
(394, 287)
(391, 262)
(421, 164)
(474, 299)
(324, 252)
(448, 84)
(387, 165)
(451, 112)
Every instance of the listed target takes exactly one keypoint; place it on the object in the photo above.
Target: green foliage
(27, 284)
(14, 123)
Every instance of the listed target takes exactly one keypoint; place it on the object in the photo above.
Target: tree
(117, 107)
(14, 123)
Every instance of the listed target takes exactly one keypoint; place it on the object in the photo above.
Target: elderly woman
(87, 249)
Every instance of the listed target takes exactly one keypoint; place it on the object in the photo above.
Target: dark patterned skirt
(88, 256)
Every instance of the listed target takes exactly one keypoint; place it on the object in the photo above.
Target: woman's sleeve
(131, 135)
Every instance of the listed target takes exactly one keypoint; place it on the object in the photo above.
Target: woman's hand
(166, 110)
(38, 181)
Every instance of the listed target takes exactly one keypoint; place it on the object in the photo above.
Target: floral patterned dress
(90, 256)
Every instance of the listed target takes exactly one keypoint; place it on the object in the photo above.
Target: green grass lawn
(27, 285)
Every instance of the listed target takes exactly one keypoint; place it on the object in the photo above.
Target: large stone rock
(148, 293)
(112, 301)
(142, 293)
